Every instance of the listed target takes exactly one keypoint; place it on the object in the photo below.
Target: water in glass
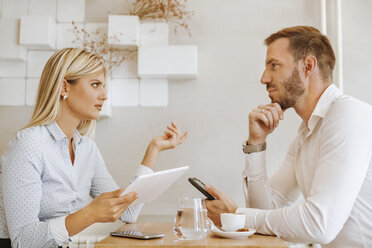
(191, 221)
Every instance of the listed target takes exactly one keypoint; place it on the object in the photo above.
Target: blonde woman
(52, 166)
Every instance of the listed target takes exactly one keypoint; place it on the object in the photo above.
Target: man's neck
(306, 105)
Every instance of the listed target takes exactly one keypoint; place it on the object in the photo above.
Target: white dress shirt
(330, 164)
(41, 186)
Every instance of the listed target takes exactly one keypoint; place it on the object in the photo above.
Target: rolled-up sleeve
(345, 153)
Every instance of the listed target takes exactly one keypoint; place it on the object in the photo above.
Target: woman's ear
(64, 91)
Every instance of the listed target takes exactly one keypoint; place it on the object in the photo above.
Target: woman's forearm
(151, 155)
(78, 221)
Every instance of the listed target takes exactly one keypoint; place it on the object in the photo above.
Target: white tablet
(151, 186)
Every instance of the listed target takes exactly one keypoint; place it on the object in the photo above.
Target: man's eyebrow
(271, 61)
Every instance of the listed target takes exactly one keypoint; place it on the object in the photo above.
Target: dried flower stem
(172, 11)
(96, 41)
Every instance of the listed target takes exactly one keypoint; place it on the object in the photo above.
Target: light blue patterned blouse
(40, 186)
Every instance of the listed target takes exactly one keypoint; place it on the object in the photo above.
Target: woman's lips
(99, 107)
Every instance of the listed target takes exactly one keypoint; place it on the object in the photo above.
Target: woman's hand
(109, 206)
(171, 138)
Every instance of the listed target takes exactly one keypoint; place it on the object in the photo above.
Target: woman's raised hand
(172, 137)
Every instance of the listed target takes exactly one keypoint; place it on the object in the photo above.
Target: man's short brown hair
(306, 40)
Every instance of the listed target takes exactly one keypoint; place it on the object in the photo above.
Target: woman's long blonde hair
(70, 64)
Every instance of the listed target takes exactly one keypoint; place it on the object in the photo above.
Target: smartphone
(200, 186)
(137, 235)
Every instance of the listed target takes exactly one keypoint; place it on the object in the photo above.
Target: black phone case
(200, 186)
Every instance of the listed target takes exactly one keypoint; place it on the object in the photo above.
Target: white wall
(214, 107)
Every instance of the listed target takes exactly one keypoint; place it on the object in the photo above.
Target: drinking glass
(191, 222)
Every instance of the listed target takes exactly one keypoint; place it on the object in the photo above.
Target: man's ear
(309, 65)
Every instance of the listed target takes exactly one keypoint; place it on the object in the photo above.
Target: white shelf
(31, 90)
(127, 69)
(167, 62)
(12, 91)
(12, 69)
(70, 10)
(14, 8)
(66, 36)
(43, 8)
(124, 92)
(9, 46)
(38, 32)
(154, 34)
(36, 61)
(123, 30)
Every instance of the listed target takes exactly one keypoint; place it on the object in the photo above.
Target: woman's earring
(64, 97)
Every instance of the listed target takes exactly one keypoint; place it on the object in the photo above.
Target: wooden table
(170, 239)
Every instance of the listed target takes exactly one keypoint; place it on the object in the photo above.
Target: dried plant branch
(172, 11)
(96, 41)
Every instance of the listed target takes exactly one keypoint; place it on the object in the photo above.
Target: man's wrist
(255, 142)
(248, 148)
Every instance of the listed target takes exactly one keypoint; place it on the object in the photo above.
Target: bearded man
(329, 162)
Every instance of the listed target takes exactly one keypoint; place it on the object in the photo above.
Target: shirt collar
(324, 103)
(58, 135)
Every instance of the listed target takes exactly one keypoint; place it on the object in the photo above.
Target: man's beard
(292, 90)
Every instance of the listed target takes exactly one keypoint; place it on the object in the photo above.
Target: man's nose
(266, 78)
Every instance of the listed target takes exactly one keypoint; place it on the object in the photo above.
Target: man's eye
(95, 85)
(274, 65)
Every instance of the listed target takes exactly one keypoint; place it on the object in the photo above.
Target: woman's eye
(95, 85)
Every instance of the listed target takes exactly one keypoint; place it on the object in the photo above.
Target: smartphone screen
(200, 186)
(137, 235)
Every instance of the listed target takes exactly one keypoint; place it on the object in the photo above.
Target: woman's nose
(104, 95)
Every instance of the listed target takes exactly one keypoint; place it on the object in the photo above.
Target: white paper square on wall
(14, 8)
(36, 61)
(12, 69)
(167, 62)
(38, 32)
(154, 92)
(124, 92)
(32, 85)
(123, 30)
(154, 34)
(9, 43)
(127, 69)
(43, 8)
(66, 36)
(12, 91)
(70, 10)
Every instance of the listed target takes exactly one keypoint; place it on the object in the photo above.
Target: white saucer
(233, 235)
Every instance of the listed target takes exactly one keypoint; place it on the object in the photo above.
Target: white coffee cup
(232, 221)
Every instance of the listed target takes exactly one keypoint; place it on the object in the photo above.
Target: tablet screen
(151, 186)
